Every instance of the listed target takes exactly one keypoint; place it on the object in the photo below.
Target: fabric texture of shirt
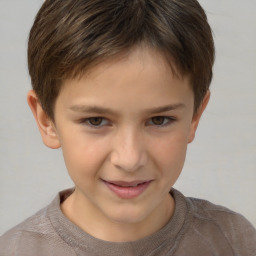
(197, 228)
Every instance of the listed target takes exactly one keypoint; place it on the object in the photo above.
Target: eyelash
(168, 120)
(87, 121)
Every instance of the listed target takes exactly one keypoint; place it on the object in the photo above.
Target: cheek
(170, 154)
(84, 157)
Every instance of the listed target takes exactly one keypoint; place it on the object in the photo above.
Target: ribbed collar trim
(165, 238)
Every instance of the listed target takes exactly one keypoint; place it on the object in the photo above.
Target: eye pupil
(95, 121)
(158, 120)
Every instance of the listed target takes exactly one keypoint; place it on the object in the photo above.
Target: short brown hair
(70, 36)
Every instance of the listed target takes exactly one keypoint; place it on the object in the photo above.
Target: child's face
(126, 122)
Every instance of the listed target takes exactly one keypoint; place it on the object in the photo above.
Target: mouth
(127, 190)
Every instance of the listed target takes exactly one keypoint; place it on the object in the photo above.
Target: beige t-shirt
(197, 228)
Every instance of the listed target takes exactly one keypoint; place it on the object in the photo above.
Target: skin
(110, 127)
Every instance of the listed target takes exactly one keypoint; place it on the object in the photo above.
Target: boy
(120, 86)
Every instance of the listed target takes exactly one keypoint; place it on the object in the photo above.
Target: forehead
(140, 55)
(142, 52)
(142, 76)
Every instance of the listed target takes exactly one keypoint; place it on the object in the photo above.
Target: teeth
(133, 186)
(129, 186)
(126, 186)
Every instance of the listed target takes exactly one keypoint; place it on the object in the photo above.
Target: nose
(129, 152)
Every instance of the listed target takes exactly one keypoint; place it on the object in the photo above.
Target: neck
(100, 226)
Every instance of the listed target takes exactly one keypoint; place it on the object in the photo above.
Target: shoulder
(34, 236)
(224, 217)
(222, 225)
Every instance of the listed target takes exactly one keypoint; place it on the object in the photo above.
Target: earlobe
(197, 116)
(45, 124)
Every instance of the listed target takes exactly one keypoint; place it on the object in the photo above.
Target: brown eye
(161, 121)
(95, 121)
(158, 120)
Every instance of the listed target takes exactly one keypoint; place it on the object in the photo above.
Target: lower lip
(128, 192)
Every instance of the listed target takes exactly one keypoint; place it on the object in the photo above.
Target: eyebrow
(103, 110)
(92, 109)
(165, 108)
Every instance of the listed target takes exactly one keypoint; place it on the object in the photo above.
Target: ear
(197, 116)
(44, 123)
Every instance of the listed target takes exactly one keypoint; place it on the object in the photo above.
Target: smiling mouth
(127, 190)
(127, 184)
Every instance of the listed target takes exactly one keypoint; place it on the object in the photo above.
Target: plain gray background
(221, 162)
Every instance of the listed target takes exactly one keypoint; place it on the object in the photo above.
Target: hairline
(73, 74)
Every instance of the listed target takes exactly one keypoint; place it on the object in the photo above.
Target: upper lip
(122, 183)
